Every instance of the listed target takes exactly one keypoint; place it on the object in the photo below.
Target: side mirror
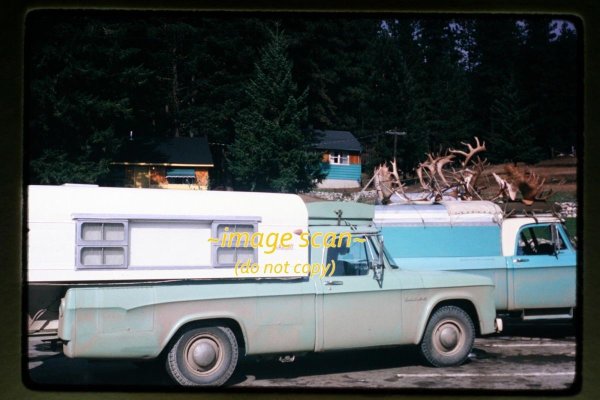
(555, 240)
(377, 267)
(378, 263)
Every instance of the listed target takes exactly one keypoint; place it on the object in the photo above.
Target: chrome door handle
(520, 260)
(333, 283)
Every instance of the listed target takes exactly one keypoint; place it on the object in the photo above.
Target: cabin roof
(337, 140)
(178, 151)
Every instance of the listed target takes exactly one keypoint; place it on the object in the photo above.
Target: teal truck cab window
(539, 240)
(350, 260)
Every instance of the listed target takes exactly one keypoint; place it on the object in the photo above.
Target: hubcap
(203, 354)
(448, 337)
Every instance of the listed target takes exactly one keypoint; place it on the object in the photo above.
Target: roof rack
(538, 208)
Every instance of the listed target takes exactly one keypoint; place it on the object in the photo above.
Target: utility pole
(396, 134)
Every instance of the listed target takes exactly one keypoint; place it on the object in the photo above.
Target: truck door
(543, 268)
(357, 312)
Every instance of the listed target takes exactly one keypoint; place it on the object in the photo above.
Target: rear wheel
(204, 356)
(448, 338)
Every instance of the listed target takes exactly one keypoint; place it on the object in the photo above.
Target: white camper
(84, 234)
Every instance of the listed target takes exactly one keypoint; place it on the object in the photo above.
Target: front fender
(479, 298)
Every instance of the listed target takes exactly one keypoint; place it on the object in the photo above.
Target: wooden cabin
(170, 163)
(341, 159)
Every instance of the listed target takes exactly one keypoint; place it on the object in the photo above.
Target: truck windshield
(388, 258)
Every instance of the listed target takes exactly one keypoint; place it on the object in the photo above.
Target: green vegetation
(94, 77)
(270, 151)
(571, 224)
(563, 197)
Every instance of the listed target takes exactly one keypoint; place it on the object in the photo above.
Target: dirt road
(534, 359)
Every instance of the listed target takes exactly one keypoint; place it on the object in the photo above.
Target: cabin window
(339, 158)
(102, 244)
(234, 243)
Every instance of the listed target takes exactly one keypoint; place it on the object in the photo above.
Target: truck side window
(349, 261)
(102, 244)
(538, 240)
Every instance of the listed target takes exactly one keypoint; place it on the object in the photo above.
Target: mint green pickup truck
(201, 327)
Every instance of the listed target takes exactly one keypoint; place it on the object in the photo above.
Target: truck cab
(541, 267)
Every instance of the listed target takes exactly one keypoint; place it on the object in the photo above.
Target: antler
(468, 177)
(434, 165)
(529, 184)
(396, 175)
(478, 169)
(387, 182)
(506, 189)
(531, 187)
(429, 165)
(439, 165)
(472, 151)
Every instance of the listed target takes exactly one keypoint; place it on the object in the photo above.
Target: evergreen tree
(549, 79)
(94, 78)
(494, 56)
(332, 58)
(512, 135)
(270, 151)
(79, 105)
(447, 107)
(397, 96)
(563, 95)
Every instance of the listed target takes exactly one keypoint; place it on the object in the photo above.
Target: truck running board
(547, 313)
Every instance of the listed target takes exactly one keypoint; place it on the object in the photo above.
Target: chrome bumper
(499, 325)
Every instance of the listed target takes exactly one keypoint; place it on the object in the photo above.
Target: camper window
(91, 231)
(102, 244)
(233, 244)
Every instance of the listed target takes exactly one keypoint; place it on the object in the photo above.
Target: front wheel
(204, 356)
(448, 337)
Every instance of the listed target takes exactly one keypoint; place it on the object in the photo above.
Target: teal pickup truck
(529, 255)
(203, 326)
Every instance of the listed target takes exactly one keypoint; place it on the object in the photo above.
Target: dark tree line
(94, 78)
